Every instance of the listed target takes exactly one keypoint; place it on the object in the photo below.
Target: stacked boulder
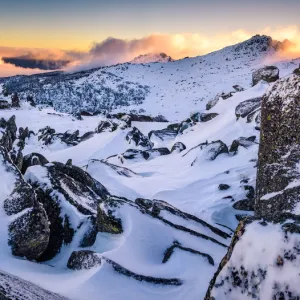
(264, 257)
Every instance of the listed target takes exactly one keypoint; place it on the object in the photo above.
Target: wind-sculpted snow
(118, 203)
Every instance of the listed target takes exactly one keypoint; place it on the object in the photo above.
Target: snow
(177, 89)
(259, 249)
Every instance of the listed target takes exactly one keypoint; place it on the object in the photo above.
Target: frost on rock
(262, 263)
(268, 74)
(247, 107)
(69, 195)
(138, 139)
(28, 233)
(12, 287)
(264, 257)
(208, 151)
(279, 153)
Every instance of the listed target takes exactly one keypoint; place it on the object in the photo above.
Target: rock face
(108, 126)
(12, 287)
(163, 134)
(247, 107)
(263, 259)
(136, 137)
(208, 151)
(60, 187)
(29, 232)
(15, 102)
(268, 74)
(48, 136)
(242, 141)
(278, 177)
(33, 159)
(8, 132)
(213, 102)
(84, 260)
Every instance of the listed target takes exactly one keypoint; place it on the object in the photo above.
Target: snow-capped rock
(152, 58)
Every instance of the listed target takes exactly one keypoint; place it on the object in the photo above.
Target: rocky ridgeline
(264, 257)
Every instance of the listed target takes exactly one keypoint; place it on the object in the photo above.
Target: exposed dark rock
(136, 137)
(86, 136)
(242, 141)
(211, 103)
(15, 101)
(174, 127)
(33, 159)
(30, 100)
(90, 235)
(207, 117)
(248, 106)
(279, 152)
(154, 280)
(226, 96)
(135, 155)
(223, 187)
(48, 136)
(250, 191)
(203, 117)
(84, 260)
(238, 88)
(69, 162)
(168, 253)
(246, 204)
(145, 203)
(185, 125)
(14, 288)
(22, 197)
(277, 199)
(268, 74)
(106, 126)
(16, 154)
(65, 183)
(178, 147)
(157, 152)
(4, 104)
(297, 71)
(86, 113)
(163, 134)
(210, 150)
(119, 170)
(29, 234)
(137, 118)
(9, 132)
(106, 221)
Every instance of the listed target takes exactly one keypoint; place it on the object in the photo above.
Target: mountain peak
(152, 57)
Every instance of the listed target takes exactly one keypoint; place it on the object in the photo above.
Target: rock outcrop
(69, 196)
(29, 231)
(138, 139)
(247, 107)
(263, 259)
(268, 74)
(12, 288)
(84, 260)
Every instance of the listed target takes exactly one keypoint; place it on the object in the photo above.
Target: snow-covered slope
(174, 89)
(136, 210)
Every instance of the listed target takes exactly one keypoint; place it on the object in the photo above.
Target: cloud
(29, 62)
(115, 50)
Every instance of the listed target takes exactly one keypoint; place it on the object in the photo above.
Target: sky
(69, 30)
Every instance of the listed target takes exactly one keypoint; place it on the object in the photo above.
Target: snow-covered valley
(152, 204)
